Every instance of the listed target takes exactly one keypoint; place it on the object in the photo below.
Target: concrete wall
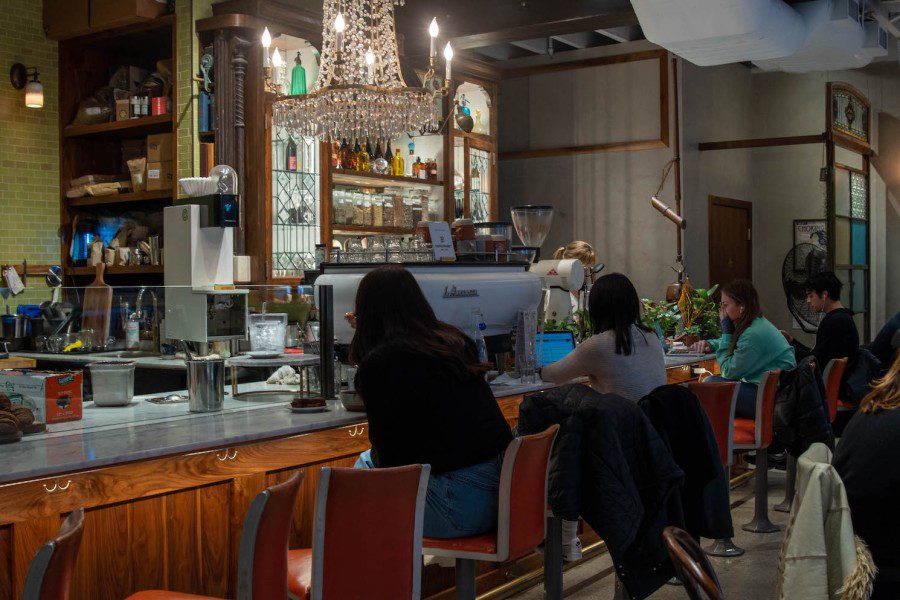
(602, 198)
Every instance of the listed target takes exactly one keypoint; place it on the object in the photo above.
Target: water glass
(267, 332)
(526, 342)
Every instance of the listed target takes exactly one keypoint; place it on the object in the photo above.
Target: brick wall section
(189, 51)
(29, 147)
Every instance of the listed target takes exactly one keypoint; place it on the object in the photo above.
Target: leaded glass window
(849, 114)
(858, 196)
(479, 185)
(295, 203)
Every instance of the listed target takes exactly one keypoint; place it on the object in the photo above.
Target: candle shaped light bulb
(433, 33)
(276, 58)
(339, 26)
(276, 66)
(266, 42)
(370, 65)
(448, 56)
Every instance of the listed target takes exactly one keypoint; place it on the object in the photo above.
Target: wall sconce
(34, 91)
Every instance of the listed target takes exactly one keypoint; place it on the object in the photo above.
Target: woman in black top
(836, 336)
(866, 460)
(427, 402)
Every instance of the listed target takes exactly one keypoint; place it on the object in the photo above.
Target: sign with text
(441, 241)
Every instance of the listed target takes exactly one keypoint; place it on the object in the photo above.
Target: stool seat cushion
(165, 595)
(485, 543)
(300, 572)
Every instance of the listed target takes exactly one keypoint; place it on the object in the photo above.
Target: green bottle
(298, 77)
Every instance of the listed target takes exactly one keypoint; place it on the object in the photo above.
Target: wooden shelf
(120, 198)
(119, 270)
(376, 180)
(130, 127)
(356, 229)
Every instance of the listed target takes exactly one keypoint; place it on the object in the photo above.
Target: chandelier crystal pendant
(360, 92)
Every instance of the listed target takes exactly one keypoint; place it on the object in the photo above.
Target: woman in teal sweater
(750, 345)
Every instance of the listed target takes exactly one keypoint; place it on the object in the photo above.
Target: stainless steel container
(112, 382)
(206, 385)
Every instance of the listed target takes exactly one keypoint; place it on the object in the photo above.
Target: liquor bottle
(432, 169)
(398, 166)
(421, 169)
(290, 161)
(362, 158)
(370, 154)
(298, 77)
(412, 162)
(389, 157)
(380, 164)
(347, 156)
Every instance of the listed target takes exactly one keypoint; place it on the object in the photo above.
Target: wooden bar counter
(165, 493)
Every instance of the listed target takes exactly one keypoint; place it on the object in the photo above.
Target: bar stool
(756, 434)
(691, 565)
(521, 513)
(719, 400)
(832, 375)
(367, 538)
(50, 572)
(262, 557)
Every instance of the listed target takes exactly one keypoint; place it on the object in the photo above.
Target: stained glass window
(295, 203)
(479, 185)
(849, 114)
(858, 200)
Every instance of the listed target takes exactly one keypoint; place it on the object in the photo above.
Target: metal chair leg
(465, 579)
(761, 522)
(724, 547)
(790, 485)
(553, 560)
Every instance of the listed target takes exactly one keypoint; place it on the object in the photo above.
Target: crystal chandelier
(360, 92)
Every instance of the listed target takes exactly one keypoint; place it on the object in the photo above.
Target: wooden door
(730, 240)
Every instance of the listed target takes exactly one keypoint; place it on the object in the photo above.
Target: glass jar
(397, 204)
(358, 213)
(367, 212)
(394, 250)
(408, 222)
(377, 250)
(424, 202)
(377, 212)
(387, 210)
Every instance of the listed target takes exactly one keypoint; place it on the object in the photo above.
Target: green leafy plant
(579, 323)
(705, 310)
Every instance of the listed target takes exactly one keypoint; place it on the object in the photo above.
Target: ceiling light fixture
(360, 91)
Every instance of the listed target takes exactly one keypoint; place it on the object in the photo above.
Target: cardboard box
(53, 396)
(123, 110)
(106, 14)
(159, 175)
(64, 19)
(159, 147)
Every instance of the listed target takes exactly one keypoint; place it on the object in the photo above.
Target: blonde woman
(584, 252)
(867, 461)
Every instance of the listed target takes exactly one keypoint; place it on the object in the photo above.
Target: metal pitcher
(206, 385)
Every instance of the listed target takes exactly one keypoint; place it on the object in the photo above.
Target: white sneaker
(447, 562)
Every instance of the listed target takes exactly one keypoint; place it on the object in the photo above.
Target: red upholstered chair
(367, 539)
(757, 434)
(719, 400)
(262, 558)
(50, 572)
(521, 514)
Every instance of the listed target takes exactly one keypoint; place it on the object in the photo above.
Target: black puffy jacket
(683, 425)
(801, 411)
(610, 467)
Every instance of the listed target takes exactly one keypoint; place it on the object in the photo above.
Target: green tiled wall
(29, 148)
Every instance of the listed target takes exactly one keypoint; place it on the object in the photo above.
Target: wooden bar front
(175, 522)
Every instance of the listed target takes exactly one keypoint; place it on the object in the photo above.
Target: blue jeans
(458, 503)
(746, 398)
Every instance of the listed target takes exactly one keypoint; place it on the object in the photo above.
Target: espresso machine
(202, 304)
(455, 292)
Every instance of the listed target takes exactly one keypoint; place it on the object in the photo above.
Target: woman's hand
(350, 317)
(701, 347)
(787, 336)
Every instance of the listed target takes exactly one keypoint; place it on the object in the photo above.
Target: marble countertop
(142, 362)
(143, 430)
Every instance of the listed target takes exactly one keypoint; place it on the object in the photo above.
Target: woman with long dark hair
(427, 402)
(621, 357)
(749, 346)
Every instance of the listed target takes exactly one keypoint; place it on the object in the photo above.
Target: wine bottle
(290, 162)
(362, 159)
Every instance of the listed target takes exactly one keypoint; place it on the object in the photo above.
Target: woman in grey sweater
(621, 357)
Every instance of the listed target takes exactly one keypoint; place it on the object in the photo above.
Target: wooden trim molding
(763, 142)
(664, 135)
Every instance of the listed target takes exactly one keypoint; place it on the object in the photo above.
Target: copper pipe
(671, 215)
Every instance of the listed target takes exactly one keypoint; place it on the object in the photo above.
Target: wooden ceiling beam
(619, 18)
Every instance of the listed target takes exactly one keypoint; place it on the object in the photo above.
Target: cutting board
(96, 308)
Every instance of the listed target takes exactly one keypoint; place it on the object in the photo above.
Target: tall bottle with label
(290, 156)
(362, 159)
(412, 160)
(398, 165)
(347, 156)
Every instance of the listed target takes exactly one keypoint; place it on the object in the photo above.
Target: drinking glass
(526, 341)
(267, 332)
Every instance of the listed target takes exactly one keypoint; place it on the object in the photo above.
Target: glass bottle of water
(478, 329)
